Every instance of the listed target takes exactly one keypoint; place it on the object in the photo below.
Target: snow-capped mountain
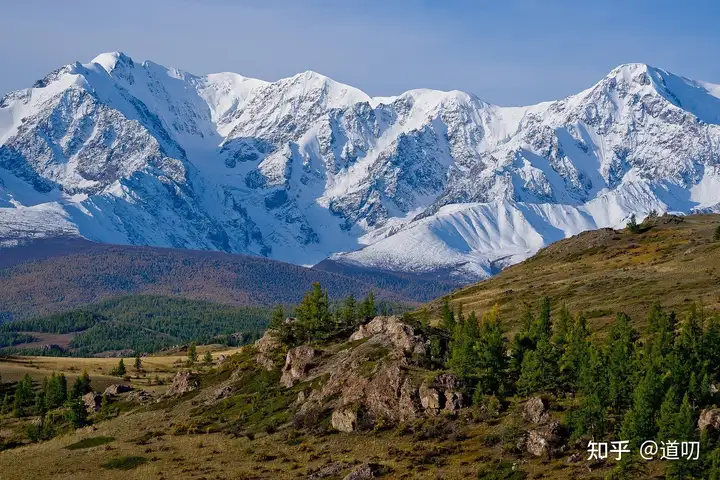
(306, 168)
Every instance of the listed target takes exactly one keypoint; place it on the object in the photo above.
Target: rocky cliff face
(305, 168)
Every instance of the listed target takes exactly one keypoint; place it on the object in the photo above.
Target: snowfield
(305, 168)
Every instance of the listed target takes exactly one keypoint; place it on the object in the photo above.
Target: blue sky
(509, 52)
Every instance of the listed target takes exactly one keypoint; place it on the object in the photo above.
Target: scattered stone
(329, 470)
(92, 401)
(221, 359)
(297, 363)
(117, 389)
(575, 458)
(544, 441)
(182, 383)
(364, 471)
(344, 420)
(139, 396)
(535, 411)
(709, 418)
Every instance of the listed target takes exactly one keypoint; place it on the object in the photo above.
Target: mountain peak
(110, 60)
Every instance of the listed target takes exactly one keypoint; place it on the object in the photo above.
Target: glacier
(305, 168)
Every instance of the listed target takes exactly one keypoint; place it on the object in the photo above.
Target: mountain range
(307, 170)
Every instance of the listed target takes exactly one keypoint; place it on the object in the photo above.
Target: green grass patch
(89, 443)
(124, 463)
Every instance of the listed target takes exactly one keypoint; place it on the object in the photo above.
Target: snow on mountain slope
(306, 168)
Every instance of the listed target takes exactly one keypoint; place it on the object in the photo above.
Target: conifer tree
(314, 319)
(77, 415)
(576, 353)
(590, 418)
(620, 363)
(81, 386)
(192, 355)
(24, 397)
(349, 311)
(367, 308)
(207, 358)
(490, 353)
(716, 235)
(448, 316)
(666, 417)
(639, 421)
(138, 364)
(563, 326)
(539, 372)
(463, 353)
(542, 326)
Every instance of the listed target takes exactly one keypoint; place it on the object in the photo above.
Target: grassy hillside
(50, 276)
(674, 261)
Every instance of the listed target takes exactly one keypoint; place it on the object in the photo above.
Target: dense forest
(145, 324)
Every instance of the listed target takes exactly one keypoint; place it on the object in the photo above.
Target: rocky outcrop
(441, 393)
(545, 440)
(139, 396)
(709, 418)
(92, 401)
(398, 333)
(182, 383)
(364, 471)
(267, 350)
(117, 389)
(297, 363)
(535, 411)
(344, 420)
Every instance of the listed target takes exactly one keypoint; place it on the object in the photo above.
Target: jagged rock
(267, 347)
(117, 389)
(442, 393)
(575, 458)
(344, 420)
(544, 440)
(364, 471)
(182, 383)
(92, 401)
(297, 363)
(535, 411)
(329, 470)
(400, 334)
(709, 418)
(224, 391)
(222, 359)
(139, 396)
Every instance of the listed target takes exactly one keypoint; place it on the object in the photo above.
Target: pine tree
(56, 391)
(632, 225)
(620, 345)
(539, 372)
(81, 386)
(541, 328)
(716, 235)
(463, 352)
(77, 415)
(562, 327)
(120, 370)
(24, 396)
(138, 364)
(448, 316)
(349, 311)
(668, 412)
(367, 308)
(207, 358)
(639, 421)
(192, 355)
(576, 353)
(490, 353)
(589, 419)
(314, 319)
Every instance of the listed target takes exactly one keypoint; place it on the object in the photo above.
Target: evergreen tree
(448, 316)
(192, 355)
(138, 364)
(539, 372)
(639, 421)
(367, 308)
(314, 319)
(349, 311)
(463, 353)
(541, 328)
(24, 396)
(667, 416)
(207, 358)
(620, 345)
(576, 353)
(716, 235)
(77, 414)
(81, 386)
(120, 370)
(490, 353)
(632, 224)
(56, 391)
(590, 418)
(563, 326)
